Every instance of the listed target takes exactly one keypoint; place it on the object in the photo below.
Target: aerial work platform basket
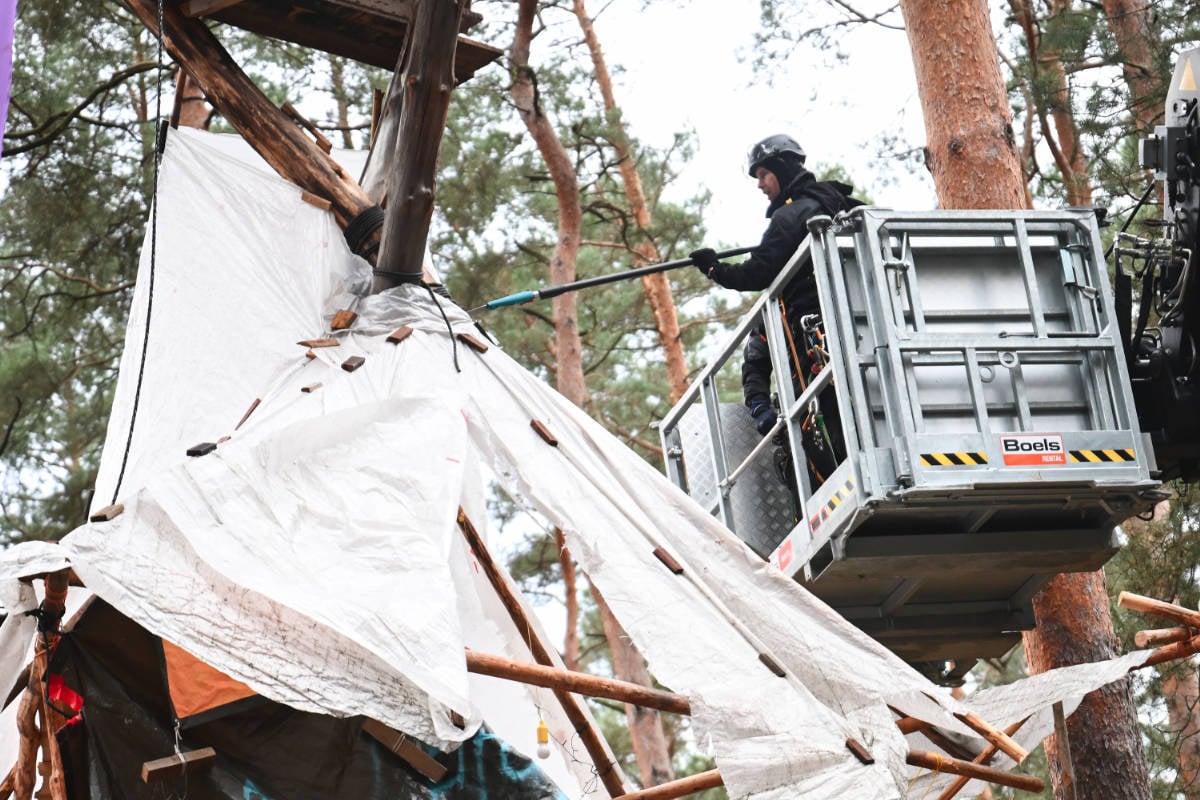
(989, 433)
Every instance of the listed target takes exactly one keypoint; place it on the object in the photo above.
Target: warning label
(784, 555)
(1032, 449)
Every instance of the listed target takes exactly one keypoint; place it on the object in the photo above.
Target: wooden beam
(606, 767)
(995, 736)
(267, 129)
(403, 747)
(984, 758)
(1160, 636)
(1158, 608)
(938, 763)
(684, 786)
(566, 680)
(177, 764)
(420, 99)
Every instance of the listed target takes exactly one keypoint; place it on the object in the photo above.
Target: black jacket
(804, 198)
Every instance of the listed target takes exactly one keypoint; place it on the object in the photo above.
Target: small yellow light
(543, 740)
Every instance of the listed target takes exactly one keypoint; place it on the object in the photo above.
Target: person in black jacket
(795, 196)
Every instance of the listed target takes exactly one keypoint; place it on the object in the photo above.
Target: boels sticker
(1032, 450)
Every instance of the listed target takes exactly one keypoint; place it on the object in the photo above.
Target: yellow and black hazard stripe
(836, 499)
(953, 459)
(1100, 456)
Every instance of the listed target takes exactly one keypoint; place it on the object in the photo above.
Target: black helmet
(771, 147)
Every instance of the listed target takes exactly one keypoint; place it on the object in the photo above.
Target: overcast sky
(689, 68)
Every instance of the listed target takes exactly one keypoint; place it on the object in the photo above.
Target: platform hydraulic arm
(1163, 336)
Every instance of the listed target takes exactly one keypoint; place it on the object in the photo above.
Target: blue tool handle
(512, 299)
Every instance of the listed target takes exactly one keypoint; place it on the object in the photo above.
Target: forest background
(661, 96)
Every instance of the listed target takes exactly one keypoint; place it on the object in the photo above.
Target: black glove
(705, 259)
(764, 415)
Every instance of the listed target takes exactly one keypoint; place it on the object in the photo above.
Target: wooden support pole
(1159, 608)
(680, 788)
(606, 766)
(984, 758)
(1171, 652)
(995, 736)
(422, 88)
(590, 685)
(267, 129)
(1160, 636)
(968, 769)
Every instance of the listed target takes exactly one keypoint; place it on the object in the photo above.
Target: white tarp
(314, 554)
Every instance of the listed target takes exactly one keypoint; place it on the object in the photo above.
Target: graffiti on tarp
(488, 768)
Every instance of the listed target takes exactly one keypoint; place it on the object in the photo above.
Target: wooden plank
(343, 319)
(860, 752)
(471, 342)
(358, 31)
(177, 764)
(108, 513)
(668, 561)
(313, 200)
(399, 335)
(328, 341)
(400, 745)
(541, 430)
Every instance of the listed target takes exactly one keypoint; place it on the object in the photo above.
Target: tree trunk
(337, 87)
(971, 151)
(645, 728)
(656, 287)
(427, 70)
(646, 733)
(1181, 690)
(568, 351)
(1074, 627)
(1130, 21)
(974, 163)
(1054, 112)
(571, 600)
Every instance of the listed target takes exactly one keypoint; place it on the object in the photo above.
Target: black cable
(159, 135)
(1137, 206)
(449, 327)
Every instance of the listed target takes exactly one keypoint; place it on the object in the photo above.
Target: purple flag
(8, 17)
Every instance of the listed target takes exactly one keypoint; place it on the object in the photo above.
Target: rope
(158, 137)
(937, 768)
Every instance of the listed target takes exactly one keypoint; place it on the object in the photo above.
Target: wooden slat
(174, 765)
(401, 746)
(108, 513)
